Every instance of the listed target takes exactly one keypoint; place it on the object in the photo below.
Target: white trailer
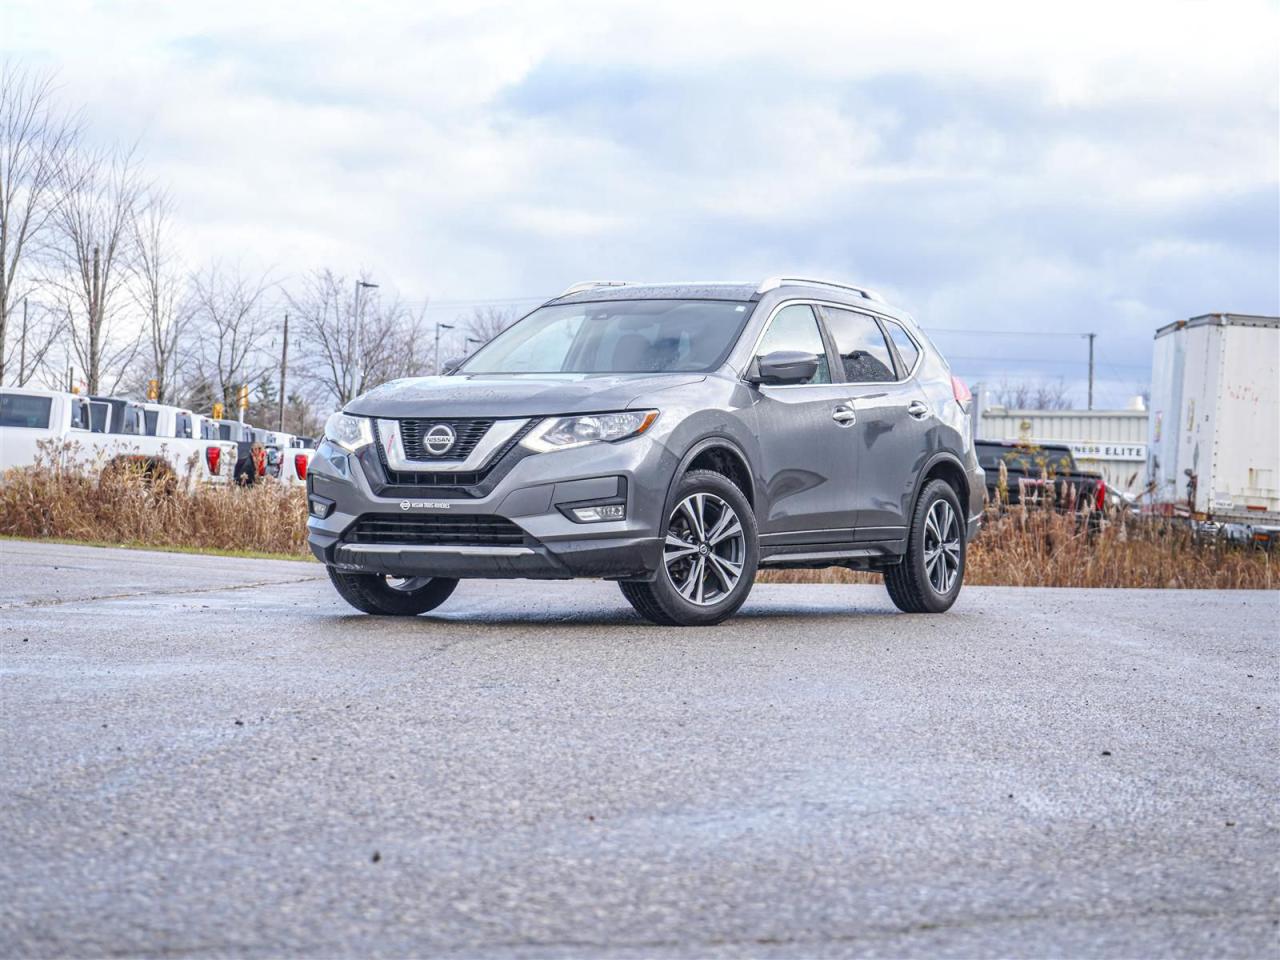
(1214, 450)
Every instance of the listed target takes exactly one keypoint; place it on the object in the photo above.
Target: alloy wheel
(705, 548)
(942, 546)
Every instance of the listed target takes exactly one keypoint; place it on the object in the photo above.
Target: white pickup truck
(287, 457)
(107, 430)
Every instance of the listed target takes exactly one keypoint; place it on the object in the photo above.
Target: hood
(512, 395)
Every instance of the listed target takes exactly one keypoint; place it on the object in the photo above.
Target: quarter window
(863, 352)
(907, 348)
(794, 327)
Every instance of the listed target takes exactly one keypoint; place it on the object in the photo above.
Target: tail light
(260, 461)
(300, 465)
(213, 457)
(960, 390)
(1100, 500)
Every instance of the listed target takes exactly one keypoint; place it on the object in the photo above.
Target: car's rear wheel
(390, 596)
(929, 578)
(710, 552)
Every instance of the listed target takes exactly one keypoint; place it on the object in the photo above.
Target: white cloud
(1011, 151)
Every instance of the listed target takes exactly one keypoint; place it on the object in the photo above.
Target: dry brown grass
(1018, 547)
(1039, 548)
(56, 501)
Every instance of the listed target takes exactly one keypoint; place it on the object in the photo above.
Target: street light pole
(439, 327)
(359, 328)
(1090, 336)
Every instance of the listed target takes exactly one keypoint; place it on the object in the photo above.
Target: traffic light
(242, 398)
(217, 411)
(153, 390)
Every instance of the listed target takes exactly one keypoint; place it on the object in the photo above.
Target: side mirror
(451, 364)
(784, 366)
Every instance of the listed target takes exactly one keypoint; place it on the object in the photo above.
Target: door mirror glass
(785, 366)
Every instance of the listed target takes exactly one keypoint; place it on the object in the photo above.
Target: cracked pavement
(206, 756)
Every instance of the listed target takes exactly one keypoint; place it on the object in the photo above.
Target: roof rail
(773, 283)
(592, 284)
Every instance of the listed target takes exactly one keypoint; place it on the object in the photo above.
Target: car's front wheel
(709, 555)
(390, 596)
(929, 578)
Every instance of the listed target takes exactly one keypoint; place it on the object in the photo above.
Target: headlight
(563, 433)
(349, 432)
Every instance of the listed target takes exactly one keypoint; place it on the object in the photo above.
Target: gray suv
(672, 437)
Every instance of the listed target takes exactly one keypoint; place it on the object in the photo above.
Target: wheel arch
(948, 468)
(720, 455)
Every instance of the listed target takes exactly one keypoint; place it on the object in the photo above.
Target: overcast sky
(1109, 166)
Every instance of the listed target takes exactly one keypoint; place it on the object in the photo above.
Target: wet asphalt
(210, 757)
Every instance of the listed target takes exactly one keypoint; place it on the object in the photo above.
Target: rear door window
(20, 410)
(182, 425)
(794, 327)
(864, 354)
(151, 418)
(99, 414)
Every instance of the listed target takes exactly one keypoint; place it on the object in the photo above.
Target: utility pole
(1090, 336)
(284, 362)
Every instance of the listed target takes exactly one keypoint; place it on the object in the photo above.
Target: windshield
(619, 336)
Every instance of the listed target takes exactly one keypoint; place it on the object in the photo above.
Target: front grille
(467, 434)
(442, 478)
(462, 529)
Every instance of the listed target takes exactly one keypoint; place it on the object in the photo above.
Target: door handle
(844, 415)
(918, 409)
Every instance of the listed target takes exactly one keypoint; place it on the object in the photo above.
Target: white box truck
(1214, 452)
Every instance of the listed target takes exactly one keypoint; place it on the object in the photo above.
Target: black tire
(660, 600)
(913, 585)
(371, 593)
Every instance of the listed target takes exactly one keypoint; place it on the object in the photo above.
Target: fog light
(608, 511)
(320, 507)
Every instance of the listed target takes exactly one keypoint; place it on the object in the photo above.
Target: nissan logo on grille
(439, 439)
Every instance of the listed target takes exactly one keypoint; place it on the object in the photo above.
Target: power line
(1057, 360)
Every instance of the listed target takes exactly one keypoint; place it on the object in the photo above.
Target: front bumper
(532, 491)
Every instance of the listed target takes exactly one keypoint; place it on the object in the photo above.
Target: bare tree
(391, 342)
(157, 289)
(485, 323)
(92, 257)
(35, 139)
(1032, 396)
(229, 310)
(38, 330)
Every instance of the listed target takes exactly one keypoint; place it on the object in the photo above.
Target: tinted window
(863, 351)
(19, 410)
(98, 417)
(620, 336)
(182, 425)
(1029, 458)
(907, 349)
(79, 415)
(151, 417)
(795, 328)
